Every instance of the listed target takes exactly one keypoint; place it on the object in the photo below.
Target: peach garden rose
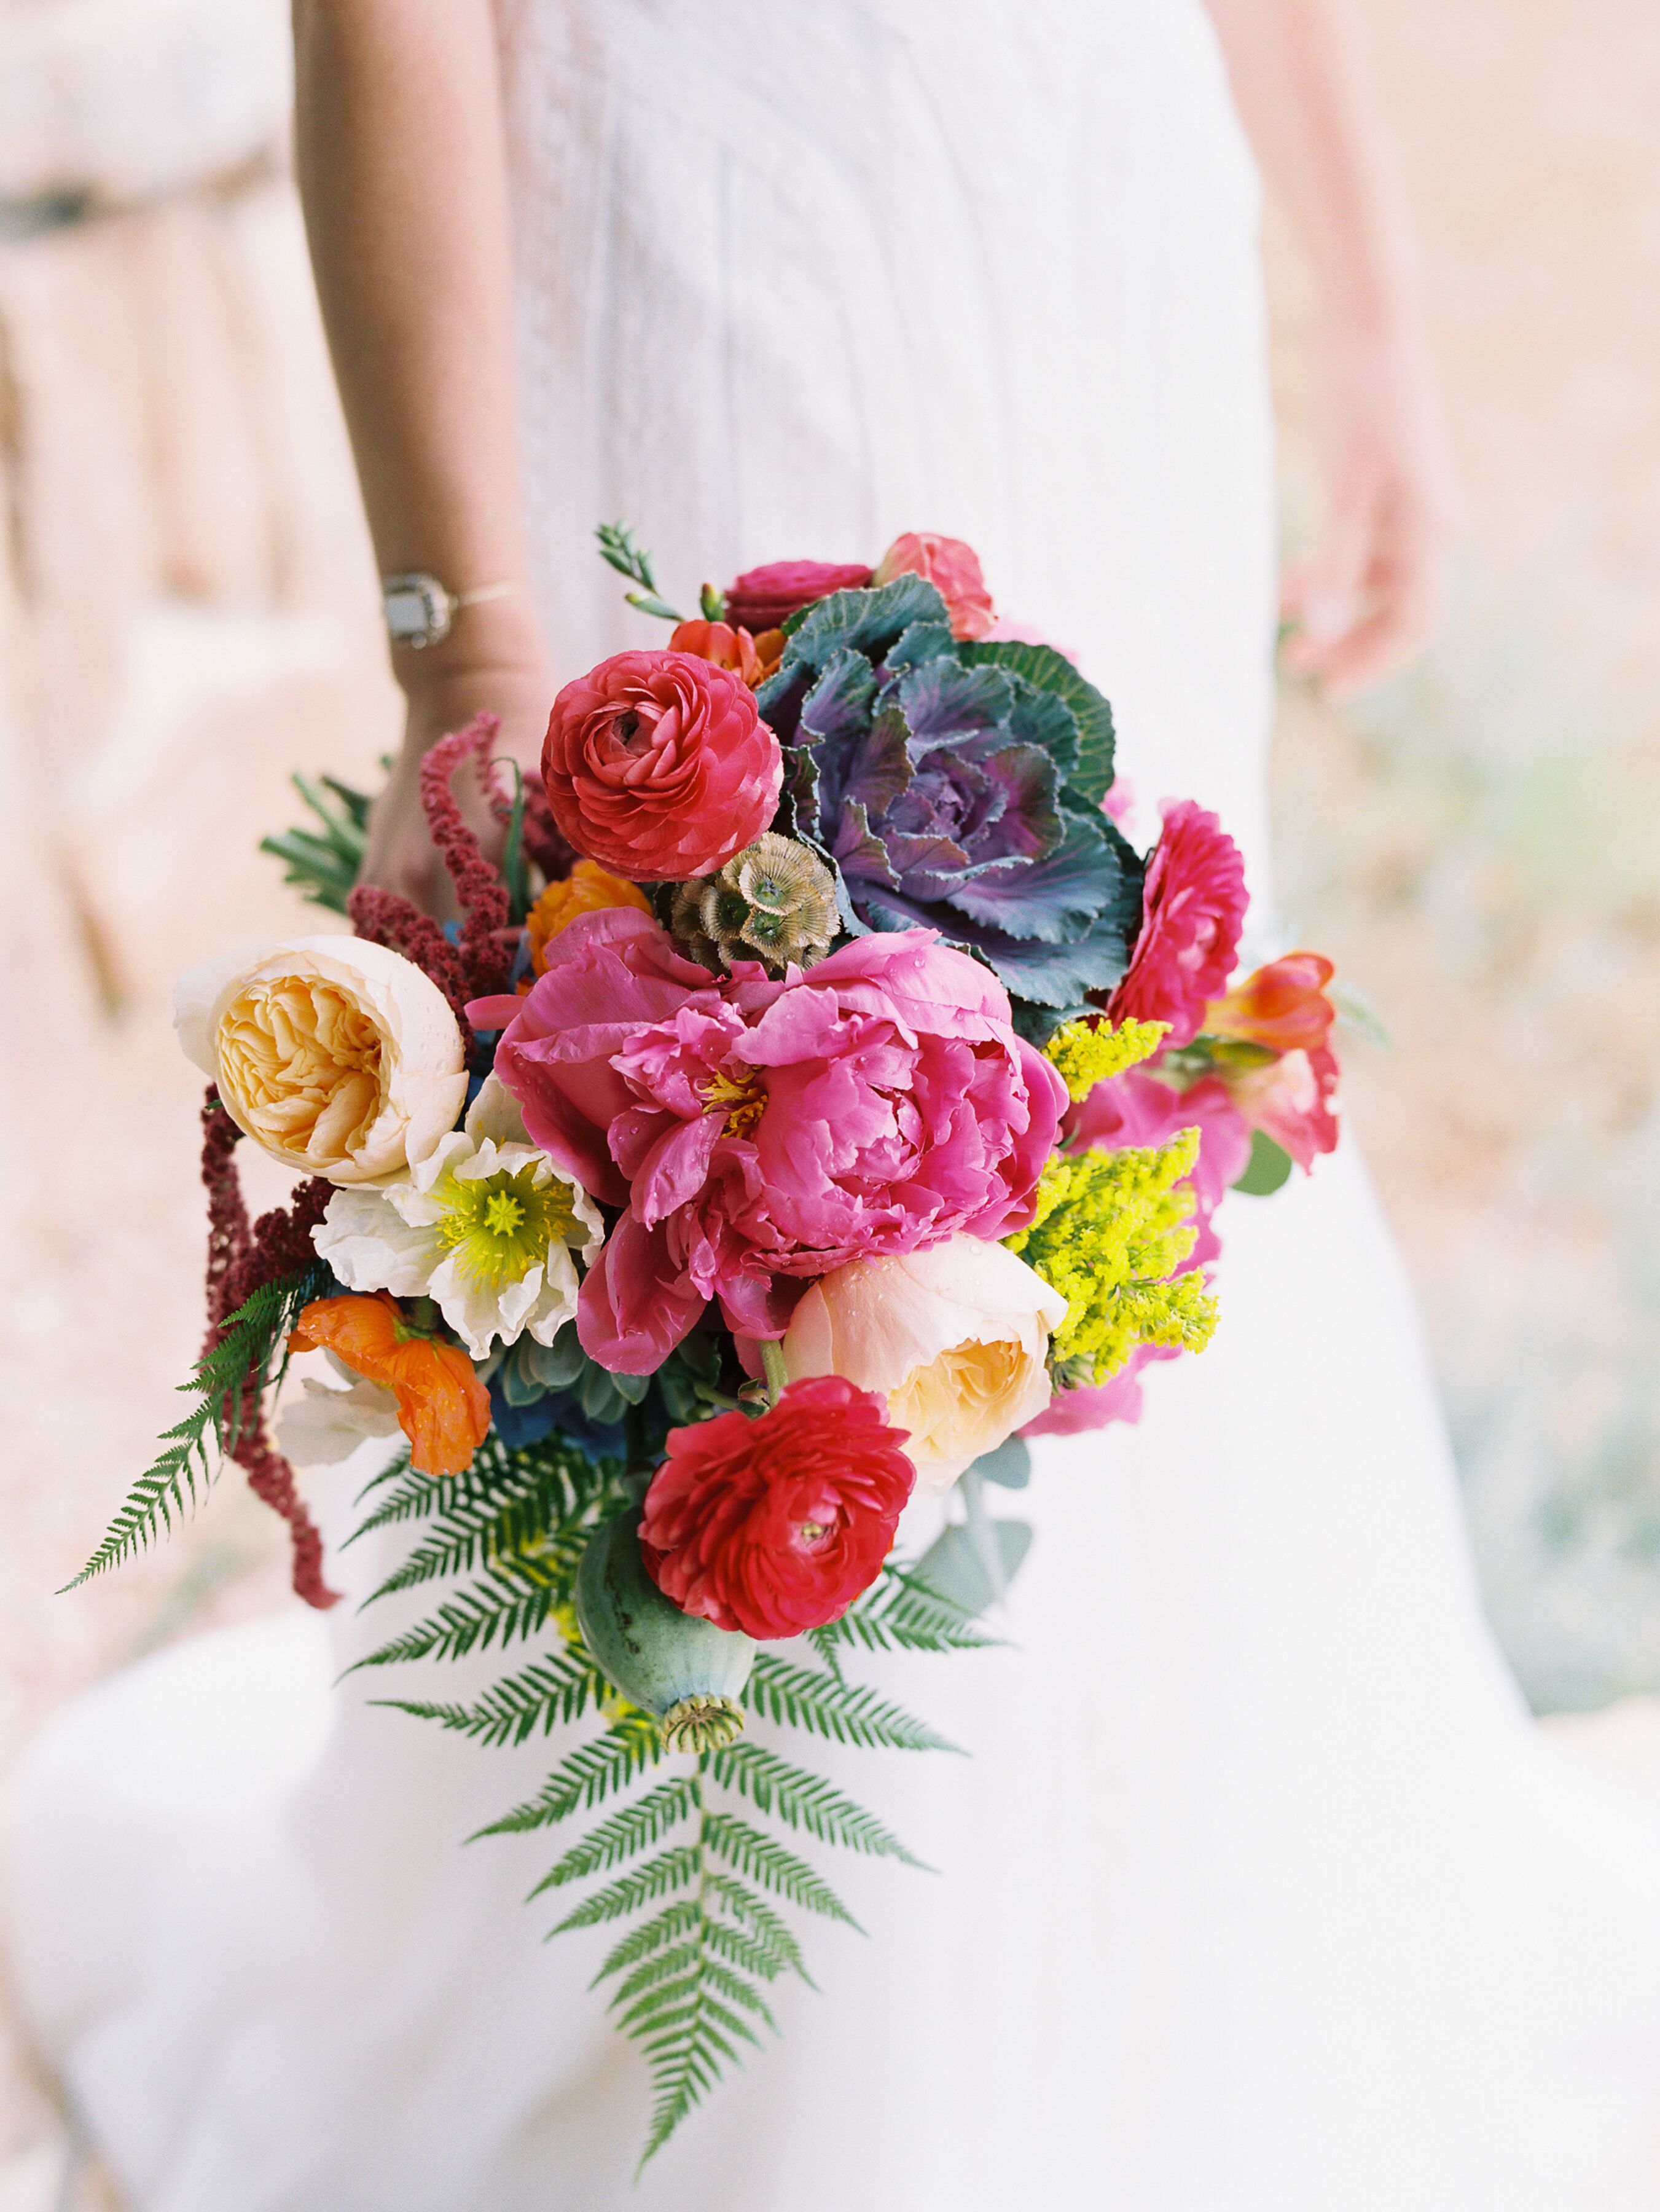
(338, 1057)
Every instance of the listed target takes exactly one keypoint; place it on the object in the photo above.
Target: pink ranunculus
(762, 598)
(1293, 1100)
(1137, 1108)
(764, 1133)
(659, 766)
(952, 567)
(1193, 906)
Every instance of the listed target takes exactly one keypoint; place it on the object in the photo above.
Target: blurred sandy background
(188, 609)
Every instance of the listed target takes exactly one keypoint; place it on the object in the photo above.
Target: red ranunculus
(762, 598)
(953, 569)
(1283, 1007)
(774, 1526)
(1193, 906)
(659, 766)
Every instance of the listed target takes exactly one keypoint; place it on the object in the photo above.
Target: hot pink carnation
(1136, 1108)
(952, 567)
(759, 1134)
(762, 598)
(1193, 906)
(659, 766)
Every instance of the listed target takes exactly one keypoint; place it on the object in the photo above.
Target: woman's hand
(1368, 598)
(519, 688)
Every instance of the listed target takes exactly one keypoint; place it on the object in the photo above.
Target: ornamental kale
(957, 785)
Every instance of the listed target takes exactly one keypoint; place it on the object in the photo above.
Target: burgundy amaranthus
(240, 1260)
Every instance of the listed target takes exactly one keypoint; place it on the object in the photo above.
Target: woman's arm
(1368, 597)
(403, 177)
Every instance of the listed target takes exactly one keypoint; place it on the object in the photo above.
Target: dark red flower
(774, 1526)
(1193, 906)
(762, 598)
(659, 766)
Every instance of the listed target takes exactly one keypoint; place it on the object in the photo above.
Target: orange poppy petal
(360, 1330)
(442, 1407)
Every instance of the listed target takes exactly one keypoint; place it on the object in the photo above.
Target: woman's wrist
(496, 639)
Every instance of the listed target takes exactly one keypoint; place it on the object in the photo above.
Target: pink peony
(1293, 1100)
(1192, 905)
(953, 568)
(760, 1134)
(1137, 1108)
(762, 598)
(659, 766)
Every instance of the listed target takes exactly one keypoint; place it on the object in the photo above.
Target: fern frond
(900, 1614)
(635, 1828)
(766, 1860)
(559, 1688)
(593, 1772)
(663, 1966)
(674, 1921)
(534, 1522)
(804, 1800)
(239, 1365)
(828, 1705)
(500, 1609)
(753, 1913)
(677, 1868)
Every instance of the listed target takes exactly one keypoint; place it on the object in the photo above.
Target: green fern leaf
(755, 1914)
(900, 1614)
(675, 1921)
(677, 1868)
(635, 1828)
(591, 1773)
(556, 1689)
(765, 1861)
(500, 1609)
(825, 1704)
(804, 1800)
(248, 1354)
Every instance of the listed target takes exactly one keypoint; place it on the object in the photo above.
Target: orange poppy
(442, 1407)
(588, 889)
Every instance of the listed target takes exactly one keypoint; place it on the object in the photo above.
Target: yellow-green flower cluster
(1084, 1054)
(1110, 1230)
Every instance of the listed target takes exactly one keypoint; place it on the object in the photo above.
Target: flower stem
(772, 1358)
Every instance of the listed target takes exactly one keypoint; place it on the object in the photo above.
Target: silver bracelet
(419, 611)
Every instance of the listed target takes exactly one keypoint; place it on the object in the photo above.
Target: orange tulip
(1282, 1006)
(588, 889)
(442, 1407)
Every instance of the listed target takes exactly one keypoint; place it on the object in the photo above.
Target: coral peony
(759, 1131)
(659, 766)
(760, 599)
(953, 569)
(442, 1407)
(338, 1057)
(1193, 906)
(1283, 1007)
(588, 889)
(1293, 1100)
(774, 1526)
(954, 1337)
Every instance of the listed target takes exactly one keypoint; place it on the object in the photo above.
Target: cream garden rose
(956, 1337)
(338, 1057)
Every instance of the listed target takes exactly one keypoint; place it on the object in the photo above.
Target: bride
(1260, 1893)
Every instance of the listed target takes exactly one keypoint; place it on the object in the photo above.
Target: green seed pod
(686, 1671)
(775, 901)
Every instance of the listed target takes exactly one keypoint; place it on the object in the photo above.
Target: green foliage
(699, 1895)
(225, 1381)
(1051, 672)
(322, 864)
(619, 549)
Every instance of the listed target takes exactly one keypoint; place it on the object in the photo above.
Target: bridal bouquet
(819, 1097)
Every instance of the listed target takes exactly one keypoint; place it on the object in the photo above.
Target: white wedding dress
(1260, 1891)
